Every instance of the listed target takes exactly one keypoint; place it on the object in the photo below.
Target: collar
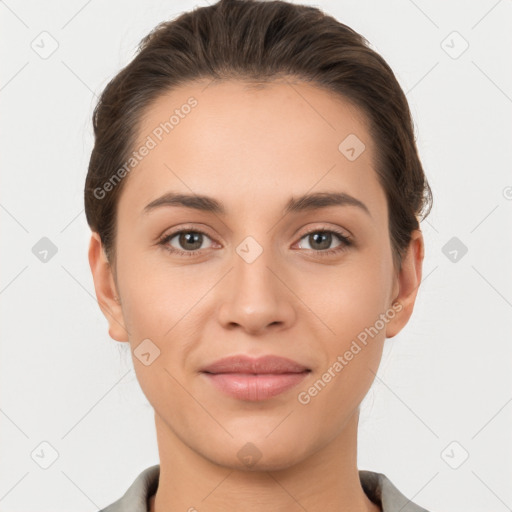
(376, 486)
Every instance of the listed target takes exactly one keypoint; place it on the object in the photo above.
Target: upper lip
(246, 364)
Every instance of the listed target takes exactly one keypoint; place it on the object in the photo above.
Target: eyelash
(345, 242)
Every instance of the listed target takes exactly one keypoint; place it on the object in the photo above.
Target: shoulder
(135, 499)
(379, 488)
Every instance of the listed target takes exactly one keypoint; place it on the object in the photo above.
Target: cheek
(336, 393)
(352, 297)
(152, 300)
(354, 348)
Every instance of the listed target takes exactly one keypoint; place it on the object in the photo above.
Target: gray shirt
(376, 486)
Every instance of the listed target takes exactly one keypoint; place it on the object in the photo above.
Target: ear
(407, 284)
(106, 290)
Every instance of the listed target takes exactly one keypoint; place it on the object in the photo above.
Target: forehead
(233, 139)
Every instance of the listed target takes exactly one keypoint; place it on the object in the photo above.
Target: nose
(256, 296)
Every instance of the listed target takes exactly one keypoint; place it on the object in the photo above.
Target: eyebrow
(303, 203)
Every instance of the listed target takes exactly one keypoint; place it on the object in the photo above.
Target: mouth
(250, 379)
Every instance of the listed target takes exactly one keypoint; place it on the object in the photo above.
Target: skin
(253, 149)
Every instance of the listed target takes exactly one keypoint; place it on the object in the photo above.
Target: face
(252, 269)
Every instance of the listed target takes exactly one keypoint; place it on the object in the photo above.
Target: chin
(258, 456)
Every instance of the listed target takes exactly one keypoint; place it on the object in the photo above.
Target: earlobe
(105, 288)
(408, 280)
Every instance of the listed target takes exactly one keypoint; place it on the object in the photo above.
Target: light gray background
(446, 377)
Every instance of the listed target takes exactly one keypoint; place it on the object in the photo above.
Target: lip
(254, 379)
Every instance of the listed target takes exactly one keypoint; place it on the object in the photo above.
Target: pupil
(326, 238)
(188, 238)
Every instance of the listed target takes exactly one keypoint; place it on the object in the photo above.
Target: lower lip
(254, 387)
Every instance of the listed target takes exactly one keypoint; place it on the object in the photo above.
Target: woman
(242, 136)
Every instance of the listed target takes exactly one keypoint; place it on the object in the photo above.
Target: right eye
(189, 242)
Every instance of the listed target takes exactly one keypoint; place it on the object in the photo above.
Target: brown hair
(259, 41)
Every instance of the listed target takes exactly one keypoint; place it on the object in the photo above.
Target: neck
(327, 481)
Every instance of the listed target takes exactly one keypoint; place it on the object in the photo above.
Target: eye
(187, 242)
(320, 241)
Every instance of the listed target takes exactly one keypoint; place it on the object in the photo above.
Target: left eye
(322, 240)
